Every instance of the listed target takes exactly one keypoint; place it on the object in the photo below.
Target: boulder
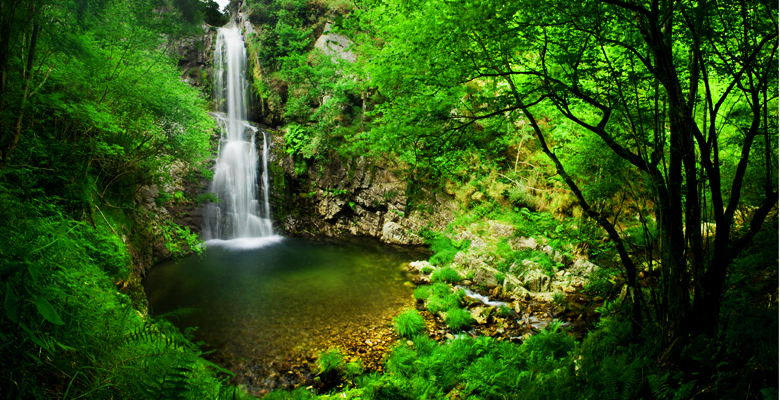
(522, 243)
(485, 278)
(335, 45)
(397, 234)
(536, 281)
(468, 261)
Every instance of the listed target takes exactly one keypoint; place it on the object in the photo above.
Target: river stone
(485, 278)
(583, 267)
(468, 261)
(420, 265)
(481, 314)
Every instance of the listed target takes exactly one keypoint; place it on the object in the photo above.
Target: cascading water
(238, 214)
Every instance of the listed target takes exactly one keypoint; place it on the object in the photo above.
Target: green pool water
(285, 297)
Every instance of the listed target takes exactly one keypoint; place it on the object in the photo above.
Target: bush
(422, 292)
(447, 275)
(353, 369)
(458, 318)
(389, 387)
(330, 362)
(409, 323)
(552, 343)
(443, 298)
(444, 250)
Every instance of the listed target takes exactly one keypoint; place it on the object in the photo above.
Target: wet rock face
(195, 56)
(161, 204)
(356, 196)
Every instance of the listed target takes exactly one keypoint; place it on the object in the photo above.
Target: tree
(680, 90)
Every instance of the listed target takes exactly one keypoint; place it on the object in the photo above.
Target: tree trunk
(26, 92)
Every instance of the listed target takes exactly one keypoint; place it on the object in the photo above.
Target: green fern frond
(685, 391)
(659, 386)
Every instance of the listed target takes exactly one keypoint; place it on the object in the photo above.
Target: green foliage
(180, 241)
(558, 298)
(445, 249)
(409, 323)
(443, 298)
(353, 369)
(59, 300)
(447, 275)
(330, 362)
(458, 319)
(422, 292)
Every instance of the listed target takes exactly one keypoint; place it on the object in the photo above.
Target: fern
(659, 386)
(611, 380)
(684, 391)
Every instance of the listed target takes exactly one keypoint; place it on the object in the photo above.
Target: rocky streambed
(510, 315)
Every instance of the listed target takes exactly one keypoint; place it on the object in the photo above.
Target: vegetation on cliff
(92, 107)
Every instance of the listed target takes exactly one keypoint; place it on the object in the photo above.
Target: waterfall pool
(286, 299)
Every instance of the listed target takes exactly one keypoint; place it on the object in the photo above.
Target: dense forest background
(643, 133)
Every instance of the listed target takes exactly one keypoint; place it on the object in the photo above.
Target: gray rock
(548, 250)
(522, 243)
(536, 281)
(335, 45)
(485, 278)
(397, 234)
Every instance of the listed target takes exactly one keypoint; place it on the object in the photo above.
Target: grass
(330, 362)
(409, 323)
(458, 319)
(422, 292)
(447, 275)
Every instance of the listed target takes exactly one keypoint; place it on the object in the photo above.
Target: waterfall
(237, 214)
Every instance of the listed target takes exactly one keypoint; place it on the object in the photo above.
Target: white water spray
(238, 214)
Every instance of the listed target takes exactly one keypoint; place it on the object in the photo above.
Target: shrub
(551, 344)
(443, 298)
(389, 387)
(353, 369)
(558, 298)
(444, 250)
(330, 362)
(409, 323)
(446, 274)
(422, 293)
(458, 318)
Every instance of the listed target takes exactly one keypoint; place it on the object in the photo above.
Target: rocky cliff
(354, 196)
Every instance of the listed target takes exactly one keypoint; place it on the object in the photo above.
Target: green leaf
(37, 341)
(35, 271)
(11, 305)
(48, 311)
